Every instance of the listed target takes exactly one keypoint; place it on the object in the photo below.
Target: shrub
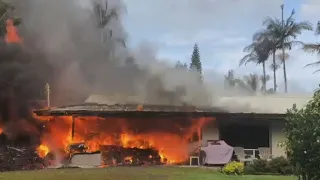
(260, 165)
(233, 168)
(250, 170)
(280, 165)
(303, 138)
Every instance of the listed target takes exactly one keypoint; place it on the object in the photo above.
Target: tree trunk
(274, 72)
(285, 76)
(264, 76)
(284, 71)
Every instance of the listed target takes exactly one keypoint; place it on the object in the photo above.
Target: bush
(233, 168)
(250, 170)
(260, 165)
(280, 165)
(303, 138)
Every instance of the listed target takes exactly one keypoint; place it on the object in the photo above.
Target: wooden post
(72, 128)
(47, 88)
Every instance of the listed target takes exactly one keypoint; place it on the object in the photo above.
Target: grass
(132, 173)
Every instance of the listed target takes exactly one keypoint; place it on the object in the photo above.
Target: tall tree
(314, 48)
(6, 11)
(195, 64)
(258, 53)
(230, 80)
(282, 34)
(104, 15)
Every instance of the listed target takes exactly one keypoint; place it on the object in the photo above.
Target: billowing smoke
(68, 35)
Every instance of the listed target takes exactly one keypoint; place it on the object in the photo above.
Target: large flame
(172, 147)
(12, 35)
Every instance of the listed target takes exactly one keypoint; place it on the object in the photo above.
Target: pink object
(217, 152)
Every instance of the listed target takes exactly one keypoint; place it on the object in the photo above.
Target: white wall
(210, 132)
(277, 136)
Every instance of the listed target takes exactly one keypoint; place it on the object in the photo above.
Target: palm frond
(311, 48)
(314, 64)
(316, 71)
(249, 48)
(247, 58)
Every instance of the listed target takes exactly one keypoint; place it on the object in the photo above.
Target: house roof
(274, 104)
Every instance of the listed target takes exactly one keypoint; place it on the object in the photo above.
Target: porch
(249, 132)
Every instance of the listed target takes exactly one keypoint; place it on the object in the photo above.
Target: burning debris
(18, 157)
(123, 141)
(120, 156)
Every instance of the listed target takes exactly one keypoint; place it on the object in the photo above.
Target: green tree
(313, 48)
(180, 65)
(282, 34)
(303, 138)
(230, 80)
(258, 53)
(195, 64)
(254, 83)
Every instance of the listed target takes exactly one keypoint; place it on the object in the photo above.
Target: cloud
(222, 29)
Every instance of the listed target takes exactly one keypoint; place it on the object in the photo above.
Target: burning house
(126, 133)
(155, 134)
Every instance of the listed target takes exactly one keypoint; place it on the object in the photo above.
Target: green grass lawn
(132, 173)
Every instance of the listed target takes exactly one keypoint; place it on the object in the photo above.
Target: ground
(132, 173)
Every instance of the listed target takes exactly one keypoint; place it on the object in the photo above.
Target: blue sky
(221, 28)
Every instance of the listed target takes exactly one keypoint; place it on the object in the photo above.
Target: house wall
(210, 132)
(277, 136)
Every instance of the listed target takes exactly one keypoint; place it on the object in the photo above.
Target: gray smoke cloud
(66, 32)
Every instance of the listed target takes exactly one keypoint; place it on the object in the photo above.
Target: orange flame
(173, 147)
(12, 35)
(1, 130)
(140, 108)
(43, 150)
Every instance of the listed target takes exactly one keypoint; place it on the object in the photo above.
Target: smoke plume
(67, 34)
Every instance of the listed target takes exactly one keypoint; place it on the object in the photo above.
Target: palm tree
(313, 48)
(230, 79)
(258, 53)
(104, 15)
(254, 83)
(282, 34)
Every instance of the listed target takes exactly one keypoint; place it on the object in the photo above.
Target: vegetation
(7, 10)
(181, 65)
(282, 35)
(258, 53)
(233, 168)
(195, 64)
(313, 47)
(303, 138)
(276, 35)
(276, 166)
(134, 173)
(252, 83)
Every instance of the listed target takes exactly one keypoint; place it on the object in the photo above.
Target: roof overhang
(150, 111)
